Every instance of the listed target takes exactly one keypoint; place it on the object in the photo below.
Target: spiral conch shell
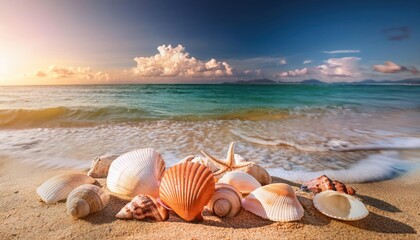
(340, 205)
(324, 183)
(186, 188)
(243, 182)
(226, 201)
(100, 165)
(142, 207)
(86, 199)
(276, 202)
(136, 172)
(58, 188)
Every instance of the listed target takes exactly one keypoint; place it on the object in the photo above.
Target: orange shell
(186, 188)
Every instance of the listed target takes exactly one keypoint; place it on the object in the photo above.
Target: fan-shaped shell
(86, 199)
(186, 188)
(226, 201)
(100, 166)
(58, 188)
(243, 182)
(136, 172)
(340, 205)
(144, 206)
(276, 202)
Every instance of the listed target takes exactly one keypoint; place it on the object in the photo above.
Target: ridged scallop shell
(100, 166)
(226, 201)
(136, 172)
(58, 188)
(86, 199)
(243, 182)
(144, 206)
(186, 188)
(276, 202)
(259, 173)
(340, 205)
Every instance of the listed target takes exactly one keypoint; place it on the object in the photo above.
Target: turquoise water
(356, 133)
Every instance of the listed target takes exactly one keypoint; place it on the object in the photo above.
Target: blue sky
(97, 40)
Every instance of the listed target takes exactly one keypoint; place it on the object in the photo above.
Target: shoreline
(393, 214)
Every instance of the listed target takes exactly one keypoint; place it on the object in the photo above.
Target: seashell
(186, 188)
(276, 202)
(340, 205)
(259, 173)
(100, 166)
(58, 188)
(204, 161)
(188, 158)
(324, 183)
(243, 182)
(136, 172)
(226, 201)
(144, 206)
(86, 199)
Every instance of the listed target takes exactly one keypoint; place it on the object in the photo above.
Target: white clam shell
(276, 202)
(340, 205)
(100, 165)
(58, 188)
(86, 199)
(136, 172)
(241, 181)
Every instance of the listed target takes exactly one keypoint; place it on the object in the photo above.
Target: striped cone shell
(186, 188)
(142, 207)
(58, 188)
(136, 172)
(276, 202)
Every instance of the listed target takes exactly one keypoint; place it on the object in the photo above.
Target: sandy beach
(393, 206)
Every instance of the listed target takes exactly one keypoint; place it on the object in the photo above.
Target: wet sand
(393, 205)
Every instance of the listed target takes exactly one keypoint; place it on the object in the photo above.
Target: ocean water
(352, 133)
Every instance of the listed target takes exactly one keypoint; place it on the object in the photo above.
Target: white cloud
(282, 61)
(175, 62)
(340, 67)
(342, 51)
(307, 61)
(391, 67)
(76, 73)
(293, 73)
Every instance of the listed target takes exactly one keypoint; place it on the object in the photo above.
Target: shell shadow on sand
(379, 204)
(107, 215)
(382, 224)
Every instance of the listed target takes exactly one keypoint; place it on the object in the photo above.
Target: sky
(104, 42)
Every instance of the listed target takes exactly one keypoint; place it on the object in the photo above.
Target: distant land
(415, 81)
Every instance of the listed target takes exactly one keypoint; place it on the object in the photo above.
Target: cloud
(78, 73)
(397, 33)
(342, 51)
(391, 67)
(282, 61)
(340, 67)
(293, 73)
(307, 61)
(175, 62)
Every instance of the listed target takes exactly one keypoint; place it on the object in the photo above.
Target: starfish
(229, 164)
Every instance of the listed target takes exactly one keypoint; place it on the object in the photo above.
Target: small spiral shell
(142, 207)
(226, 201)
(86, 199)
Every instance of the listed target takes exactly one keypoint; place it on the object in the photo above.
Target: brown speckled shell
(186, 188)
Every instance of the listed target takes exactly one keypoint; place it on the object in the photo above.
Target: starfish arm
(218, 163)
(242, 165)
(230, 158)
(220, 171)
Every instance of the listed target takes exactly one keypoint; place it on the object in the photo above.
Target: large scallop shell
(243, 182)
(144, 206)
(186, 188)
(276, 202)
(226, 201)
(86, 199)
(100, 165)
(58, 188)
(340, 205)
(136, 172)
